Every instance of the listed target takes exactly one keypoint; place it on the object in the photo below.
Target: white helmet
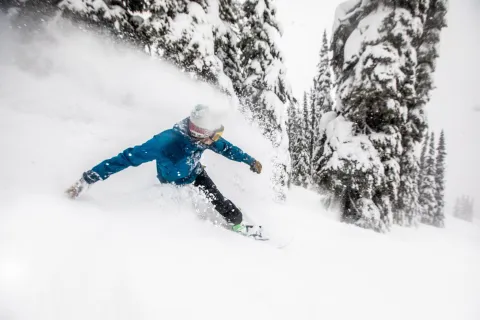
(202, 123)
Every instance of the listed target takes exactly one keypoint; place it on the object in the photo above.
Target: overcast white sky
(457, 78)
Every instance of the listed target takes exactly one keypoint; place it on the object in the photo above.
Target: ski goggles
(217, 134)
(200, 133)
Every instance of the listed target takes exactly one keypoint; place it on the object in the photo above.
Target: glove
(77, 189)
(256, 167)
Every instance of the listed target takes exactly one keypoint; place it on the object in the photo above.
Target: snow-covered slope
(134, 249)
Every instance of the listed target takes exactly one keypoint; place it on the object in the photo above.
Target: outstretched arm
(130, 157)
(228, 150)
(135, 156)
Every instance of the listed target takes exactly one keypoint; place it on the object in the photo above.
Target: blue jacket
(177, 155)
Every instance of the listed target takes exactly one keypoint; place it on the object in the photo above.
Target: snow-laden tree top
(347, 10)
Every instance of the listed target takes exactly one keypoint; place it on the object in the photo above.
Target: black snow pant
(223, 206)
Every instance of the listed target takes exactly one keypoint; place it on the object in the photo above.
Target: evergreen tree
(457, 208)
(136, 5)
(439, 216)
(226, 41)
(321, 104)
(306, 136)
(303, 138)
(428, 187)
(423, 155)
(470, 209)
(265, 91)
(294, 130)
(464, 208)
(432, 16)
(427, 48)
(32, 9)
(112, 19)
(407, 208)
(376, 84)
(190, 42)
(322, 87)
(162, 15)
(314, 123)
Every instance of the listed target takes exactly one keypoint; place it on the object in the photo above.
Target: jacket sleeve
(230, 151)
(130, 157)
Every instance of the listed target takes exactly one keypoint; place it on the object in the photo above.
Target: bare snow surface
(134, 249)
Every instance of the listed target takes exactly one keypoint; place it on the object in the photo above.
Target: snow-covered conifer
(407, 210)
(111, 18)
(107, 17)
(294, 129)
(226, 41)
(321, 104)
(351, 171)
(266, 92)
(423, 155)
(31, 9)
(136, 5)
(323, 82)
(428, 186)
(464, 208)
(190, 41)
(374, 62)
(306, 136)
(439, 216)
(431, 14)
(303, 141)
(428, 50)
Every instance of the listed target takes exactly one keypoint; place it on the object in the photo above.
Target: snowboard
(205, 211)
(266, 235)
(257, 235)
(263, 236)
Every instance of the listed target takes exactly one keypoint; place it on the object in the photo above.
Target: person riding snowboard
(177, 152)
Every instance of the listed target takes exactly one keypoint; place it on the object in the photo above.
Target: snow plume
(183, 32)
(68, 100)
(69, 75)
(201, 38)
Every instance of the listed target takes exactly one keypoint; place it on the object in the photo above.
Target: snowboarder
(177, 152)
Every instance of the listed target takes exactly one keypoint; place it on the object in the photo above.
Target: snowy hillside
(134, 249)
